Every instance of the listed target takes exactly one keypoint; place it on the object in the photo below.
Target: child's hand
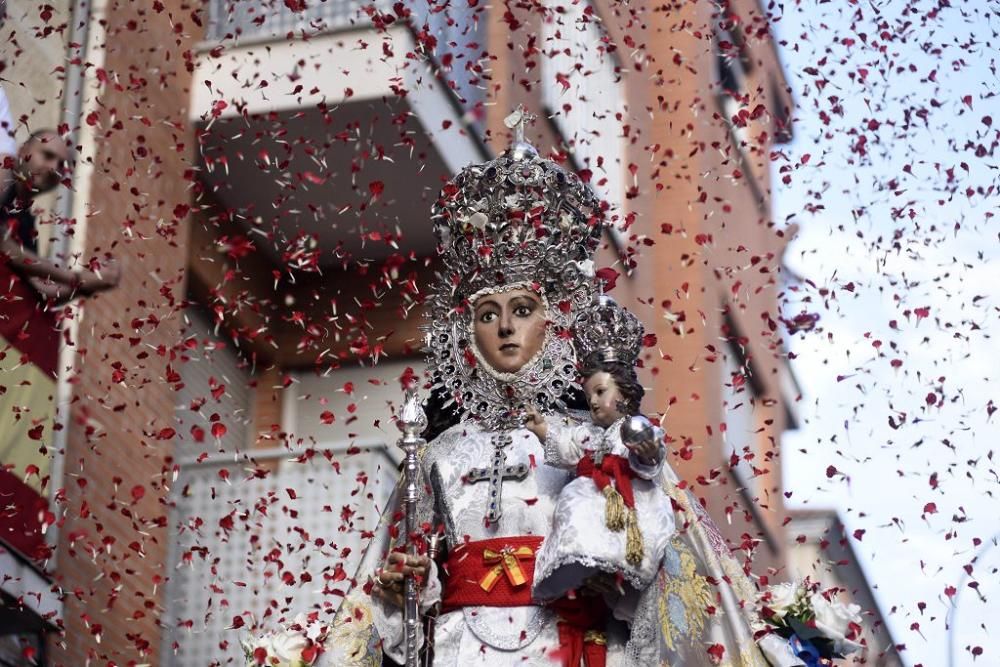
(648, 451)
(642, 439)
(535, 422)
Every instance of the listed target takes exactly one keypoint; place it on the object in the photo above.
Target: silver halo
(517, 220)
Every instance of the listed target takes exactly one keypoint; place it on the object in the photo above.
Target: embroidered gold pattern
(353, 636)
(684, 596)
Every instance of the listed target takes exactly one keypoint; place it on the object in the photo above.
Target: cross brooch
(496, 474)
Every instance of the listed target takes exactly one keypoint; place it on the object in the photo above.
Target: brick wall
(108, 582)
(684, 282)
(113, 540)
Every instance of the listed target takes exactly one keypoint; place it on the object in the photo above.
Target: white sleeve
(389, 618)
(565, 444)
(7, 144)
(366, 626)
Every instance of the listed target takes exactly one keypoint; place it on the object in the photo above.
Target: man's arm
(54, 292)
(31, 265)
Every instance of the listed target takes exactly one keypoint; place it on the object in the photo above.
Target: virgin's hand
(389, 578)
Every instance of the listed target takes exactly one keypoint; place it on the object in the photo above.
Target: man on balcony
(38, 168)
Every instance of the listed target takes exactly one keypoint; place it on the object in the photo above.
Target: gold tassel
(633, 539)
(614, 509)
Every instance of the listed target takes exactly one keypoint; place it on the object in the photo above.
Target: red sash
(25, 323)
(612, 467)
(499, 573)
(491, 573)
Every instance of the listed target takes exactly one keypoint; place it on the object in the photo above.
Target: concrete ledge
(23, 581)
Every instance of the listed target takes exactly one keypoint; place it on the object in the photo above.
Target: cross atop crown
(520, 148)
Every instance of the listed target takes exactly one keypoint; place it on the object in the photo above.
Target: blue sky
(883, 235)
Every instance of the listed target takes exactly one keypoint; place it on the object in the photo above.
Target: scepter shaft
(433, 549)
(411, 422)
(410, 605)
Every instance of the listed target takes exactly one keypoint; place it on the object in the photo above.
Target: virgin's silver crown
(518, 218)
(517, 221)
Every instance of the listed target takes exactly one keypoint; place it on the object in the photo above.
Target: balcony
(267, 19)
(326, 153)
(459, 57)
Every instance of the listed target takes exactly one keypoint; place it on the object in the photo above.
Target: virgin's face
(509, 328)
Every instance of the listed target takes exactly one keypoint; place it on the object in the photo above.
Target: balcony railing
(261, 19)
(460, 30)
(223, 531)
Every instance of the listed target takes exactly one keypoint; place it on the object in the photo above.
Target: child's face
(603, 398)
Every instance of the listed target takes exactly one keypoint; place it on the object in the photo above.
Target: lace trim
(492, 398)
(643, 643)
(613, 437)
(478, 620)
(451, 535)
(550, 446)
(628, 572)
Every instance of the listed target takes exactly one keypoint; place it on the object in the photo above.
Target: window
(216, 391)
(263, 19)
(206, 558)
(460, 30)
(14, 647)
(583, 92)
(732, 86)
(782, 113)
(741, 433)
(742, 107)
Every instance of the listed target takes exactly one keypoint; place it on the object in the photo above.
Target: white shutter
(212, 365)
(223, 573)
(574, 48)
(305, 517)
(738, 415)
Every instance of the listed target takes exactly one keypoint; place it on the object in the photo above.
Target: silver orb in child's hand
(637, 430)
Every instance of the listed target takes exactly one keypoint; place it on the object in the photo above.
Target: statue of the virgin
(517, 236)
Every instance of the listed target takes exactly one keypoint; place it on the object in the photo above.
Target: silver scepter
(412, 421)
(433, 549)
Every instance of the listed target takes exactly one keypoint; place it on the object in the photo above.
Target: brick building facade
(234, 166)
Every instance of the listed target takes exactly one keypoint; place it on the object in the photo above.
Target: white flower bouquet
(817, 627)
(297, 645)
